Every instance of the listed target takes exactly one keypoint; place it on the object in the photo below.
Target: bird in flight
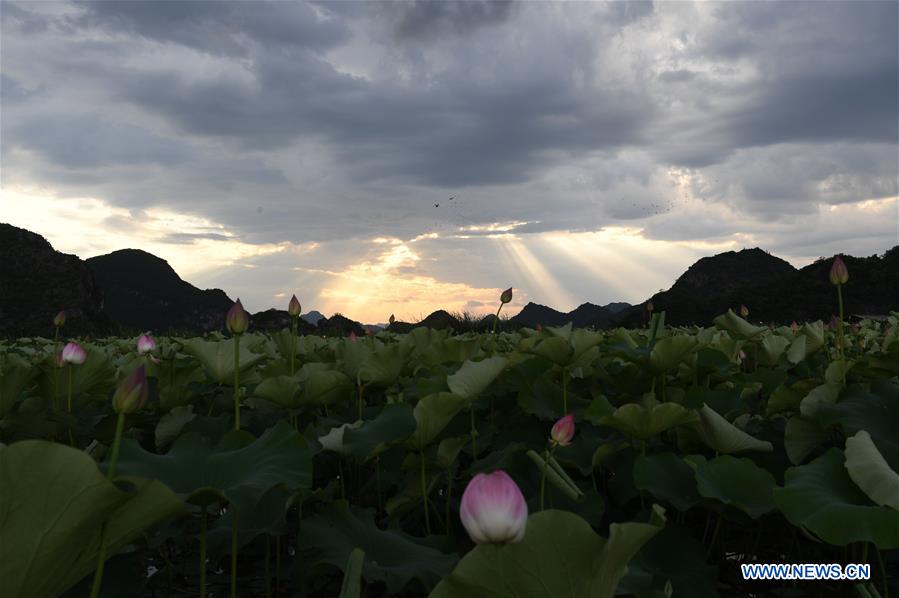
(436, 205)
(452, 198)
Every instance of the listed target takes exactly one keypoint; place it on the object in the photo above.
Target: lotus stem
(378, 480)
(293, 342)
(268, 566)
(237, 382)
(233, 553)
(496, 319)
(203, 517)
(424, 494)
(543, 478)
(69, 401)
(55, 368)
(116, 445)
(359, 402)
(840, 333)
(474, 434)
(449, 496)
(883, 572)
(101, 562)
(277, 565)
(564, 391)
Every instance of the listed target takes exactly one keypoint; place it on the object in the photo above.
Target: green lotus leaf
(837, 370)
(383, 366)
(324, 387)
(801, 437)
(640, 422)
(876, 411)
(870, 471)
(432, 414)
(283, 390)
(350, 357)
(797, 351)
(724, 437)
(822, 498)
(738, 326)
(670, 351)
(240, 470)
(366, 439)
(820, 395)
(784, 398)
(391, 556)
(667, 477)
(737, 482)
(172, 423)
(560, 557)
(554, 348)
(814, 336)
(475, 376)
(217, 357)
(16, 375)
(771, 349)
(53, 504)
(91, 380)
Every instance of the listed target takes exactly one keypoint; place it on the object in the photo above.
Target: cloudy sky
(400, 157)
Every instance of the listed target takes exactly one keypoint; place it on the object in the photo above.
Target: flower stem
(101, 562)
(69, 401)
(840, 333)
(55, 369)
(234, 553)
(424, 494)
(564, 391)
(546, 456)
(496, 320)
(237, 382)
(474, 435)
(293, 341)
(268, 566)
(116, 445)
(203, 517)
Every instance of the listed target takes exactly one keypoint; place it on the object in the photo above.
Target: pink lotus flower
(744, 311)
(131, 393)
(838, 272)
(145, 344)
(74, 354)
(506, 297)
(794, 326)
(742, 355)
(237, 319)
(563, 431)
(294, 307)
(353, 338)
(493, 510)
(59, 319)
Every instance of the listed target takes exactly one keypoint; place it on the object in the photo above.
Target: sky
(383, 158)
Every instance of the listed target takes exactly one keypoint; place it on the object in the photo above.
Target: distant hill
(272, 320)
(313, 317)
(142, 292)
(585, 315)
(36, 282)
(772, 290)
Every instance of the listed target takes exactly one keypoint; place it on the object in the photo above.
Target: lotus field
(551, 463)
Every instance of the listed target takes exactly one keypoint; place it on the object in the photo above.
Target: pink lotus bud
(59, 319)
(563, 431)
(838, 272)
(294, 307)
(74, 353)
(237, 319)
(353, 338)
(145, 344)
(744, 311)
(649, 306)
(131, 393)
(794, 326)
(493, 510)
(506, 296)
(742, 355)
(834, 323)
(391, 319)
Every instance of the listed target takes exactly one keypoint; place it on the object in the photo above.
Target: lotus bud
(838, 272)
(145, 344)
(834, 323)
(506, 297)
(131, 394)
(742, 355)
(237, 319)
(794, 326)
(391, 320)
(294, 307)
(74, 354)
(59, 319)
(744, 311)
(353, 338)
(563, 431)
(493, 510)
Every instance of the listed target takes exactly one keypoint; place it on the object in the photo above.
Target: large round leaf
(432, 414)
(738, 326)
(240, 470)
(391, 556)
(640, 422)
(16, 375)
(475, 376)
(737, 482)
(53, 504)
(724, 437)
(383, 366)
(324, 387)
(668, 352)
(822, 498)
(217, 357)
(870, 471)
(667, 477)
(560, 557)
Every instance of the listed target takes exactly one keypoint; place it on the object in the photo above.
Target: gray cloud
(423, 19)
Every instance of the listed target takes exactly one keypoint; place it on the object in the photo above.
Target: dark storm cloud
(423, 19)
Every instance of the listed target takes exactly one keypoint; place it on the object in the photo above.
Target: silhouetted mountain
(142, 292)
(440, 320)
(772, 290)
(272, 320)
(36, 282)
(588, 315)
(534, 313)
(339, 325)
(617, 306)
(313, 317)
